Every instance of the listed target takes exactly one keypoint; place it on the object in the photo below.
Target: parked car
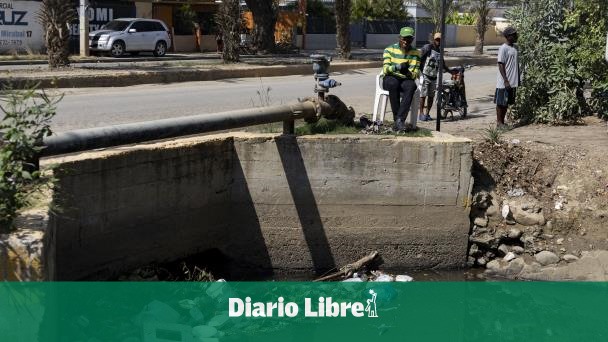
(131, 35)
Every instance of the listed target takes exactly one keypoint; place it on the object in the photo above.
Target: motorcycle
(454, 97)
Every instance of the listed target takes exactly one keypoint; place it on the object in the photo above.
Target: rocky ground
(540, 203)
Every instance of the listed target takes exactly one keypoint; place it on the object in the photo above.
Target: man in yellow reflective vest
(401, 67)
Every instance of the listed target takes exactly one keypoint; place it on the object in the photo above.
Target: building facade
(20, 31)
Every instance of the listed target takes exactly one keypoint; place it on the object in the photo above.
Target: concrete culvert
(261, 203)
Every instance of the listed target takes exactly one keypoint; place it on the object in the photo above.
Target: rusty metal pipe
(125, 134)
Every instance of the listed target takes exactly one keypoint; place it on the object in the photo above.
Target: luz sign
(20, 31)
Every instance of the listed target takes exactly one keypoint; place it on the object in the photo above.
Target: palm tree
(434, 9)
(481, 9)
(229, 25)
(343, 9)
(55, 17)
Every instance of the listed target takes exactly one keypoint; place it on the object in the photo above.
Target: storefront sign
(20, 30)
(102, 12)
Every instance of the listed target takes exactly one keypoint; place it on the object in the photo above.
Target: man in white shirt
(508, 76)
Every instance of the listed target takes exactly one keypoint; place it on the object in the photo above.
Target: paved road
(93, 107)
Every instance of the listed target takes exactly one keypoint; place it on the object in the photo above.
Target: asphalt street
(94, 107)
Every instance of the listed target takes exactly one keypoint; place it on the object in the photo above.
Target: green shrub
(461, 19)
(493, 134)
(561, 53)
(26, 118)
(599, 99)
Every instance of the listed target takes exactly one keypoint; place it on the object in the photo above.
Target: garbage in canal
(379, 276)
(363, 270)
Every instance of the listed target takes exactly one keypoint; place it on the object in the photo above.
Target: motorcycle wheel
(463, 112)
(445, 103)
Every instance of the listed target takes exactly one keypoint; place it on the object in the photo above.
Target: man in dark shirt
(429, 61)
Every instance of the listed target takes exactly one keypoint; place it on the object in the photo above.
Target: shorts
(427, 87)
(505, 97)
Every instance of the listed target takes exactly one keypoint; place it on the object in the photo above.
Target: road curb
(108, 60)
(212, 74)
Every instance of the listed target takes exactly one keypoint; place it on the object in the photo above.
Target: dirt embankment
(540, 203)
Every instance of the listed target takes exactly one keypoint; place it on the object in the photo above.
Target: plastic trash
(384, 278)
(403, 278)
(505, 211)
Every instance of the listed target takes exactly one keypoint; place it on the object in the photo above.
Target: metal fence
(359, 30)
(320, 25)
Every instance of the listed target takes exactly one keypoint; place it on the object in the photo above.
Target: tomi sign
(20, 30)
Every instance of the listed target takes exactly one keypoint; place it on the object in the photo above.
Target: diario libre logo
(321, 307)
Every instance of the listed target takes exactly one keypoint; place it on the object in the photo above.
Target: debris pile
(363, 270)
(525, 209)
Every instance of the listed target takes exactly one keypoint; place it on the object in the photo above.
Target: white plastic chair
(381, 99)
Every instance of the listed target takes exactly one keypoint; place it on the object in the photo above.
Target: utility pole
(83, 21)
(304, 20)
(440, 78)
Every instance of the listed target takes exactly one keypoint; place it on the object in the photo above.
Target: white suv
(131, 35)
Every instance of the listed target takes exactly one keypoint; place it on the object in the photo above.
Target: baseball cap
(509, 31)
(437, 35)
(406, 32)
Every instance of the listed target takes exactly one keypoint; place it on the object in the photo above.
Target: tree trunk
(343, 8)
(55, 15)
(229, 24)
(480, 31)
(264, 19)
(479, 41)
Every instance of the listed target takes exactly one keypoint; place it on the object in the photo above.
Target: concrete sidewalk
(124, 73)
(357, 54)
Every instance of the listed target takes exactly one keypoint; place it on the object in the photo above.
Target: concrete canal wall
(268, 203)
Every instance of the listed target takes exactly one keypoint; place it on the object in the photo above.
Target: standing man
(401, 68)
(429, 61)
(508, 76)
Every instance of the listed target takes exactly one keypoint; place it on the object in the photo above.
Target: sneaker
(503, 127)
(421, 118)
(400, 126)
(428, 118)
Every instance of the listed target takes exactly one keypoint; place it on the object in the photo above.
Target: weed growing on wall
(26, 116)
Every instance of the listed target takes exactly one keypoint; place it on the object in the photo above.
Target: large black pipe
(102, 137)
